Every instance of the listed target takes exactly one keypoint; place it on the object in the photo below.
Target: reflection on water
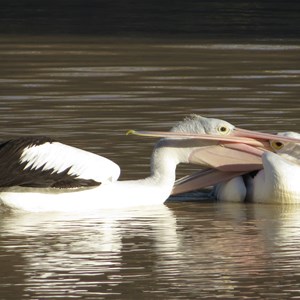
(183, 251)
(96, 254)
(88, 92)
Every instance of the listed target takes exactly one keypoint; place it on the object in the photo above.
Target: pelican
(41, 174)
(278, 181)
(275, 182)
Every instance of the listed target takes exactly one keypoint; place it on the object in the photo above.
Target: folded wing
(44, 162)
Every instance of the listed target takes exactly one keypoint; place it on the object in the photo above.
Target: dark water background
(86, 76)
(155, 18)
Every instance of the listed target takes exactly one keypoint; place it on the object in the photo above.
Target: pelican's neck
(278, 182)
(156, 188)
(166, 155)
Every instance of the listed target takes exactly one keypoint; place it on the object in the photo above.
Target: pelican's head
(289, 150)
(209, 143)
(201, 125)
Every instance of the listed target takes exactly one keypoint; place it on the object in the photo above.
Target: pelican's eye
(276, 145)
(223, 130)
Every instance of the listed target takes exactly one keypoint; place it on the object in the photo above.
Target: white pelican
(278, 181)
(39, 174)
(275, 182)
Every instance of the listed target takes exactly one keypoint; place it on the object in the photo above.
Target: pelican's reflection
(226, 247)
(63, 252)
(187, 249)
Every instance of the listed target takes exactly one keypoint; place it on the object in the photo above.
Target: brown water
(88, 92)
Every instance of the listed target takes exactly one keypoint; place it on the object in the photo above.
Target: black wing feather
(13, 172)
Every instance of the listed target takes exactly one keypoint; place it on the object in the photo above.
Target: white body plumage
(56, 158)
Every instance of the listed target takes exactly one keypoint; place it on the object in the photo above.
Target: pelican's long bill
(228, 156)
(238, 135)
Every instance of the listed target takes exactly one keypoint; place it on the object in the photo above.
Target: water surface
(87, 92)
(178, 251)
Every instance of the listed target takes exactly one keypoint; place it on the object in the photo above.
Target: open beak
(226, 157)
(221, 163)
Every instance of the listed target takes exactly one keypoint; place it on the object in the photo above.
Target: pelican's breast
(278, 182)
